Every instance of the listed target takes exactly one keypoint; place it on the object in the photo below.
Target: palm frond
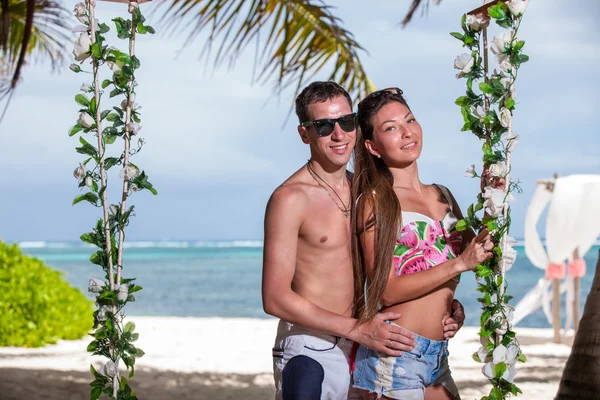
(301, 38)
(37, 28)
(50, 31)
(423, 4)
(5, 17)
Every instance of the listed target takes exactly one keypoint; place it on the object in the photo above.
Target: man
(308, 277)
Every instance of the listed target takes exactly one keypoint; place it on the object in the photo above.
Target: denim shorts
(405, 377)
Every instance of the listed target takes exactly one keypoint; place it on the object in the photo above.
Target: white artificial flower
(494, 200)
(85, 119)
(505, 117)
(470, 172)
(513, 93)
(129, 172)
(509, 254)
(499, 169)
(506, 82)
(134, 187)
(464, 63)
(510, 140)
(510, 373)
(75, 68)
(488, 370)
(501, 42)
(503, 328)
(80, 28)
(123, 292)
(80, 171)
(80, 9)
(494, 298)
(85, 88)
(475, 24)
(132, 6)
(118, 317)
(102, 313)
(506, 66)
(134, 106)
(82, 47)
(109, 369)
(512, 354)
(95, 285)
(84, 19)
(517, 7)
(499, 354)
(80, 13)
(141, 141)
(134, 128)
(89, 181)
(508, 312)
(478, 111)
(482, 353)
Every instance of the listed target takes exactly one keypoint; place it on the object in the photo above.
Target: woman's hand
(477, 251)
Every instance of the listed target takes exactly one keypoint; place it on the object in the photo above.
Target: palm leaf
(424, 4)
(50, 31)
(30, 27)
(5, 16)
(301, 38)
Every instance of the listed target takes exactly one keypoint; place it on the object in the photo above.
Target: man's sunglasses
(325, 126)
(391, 90)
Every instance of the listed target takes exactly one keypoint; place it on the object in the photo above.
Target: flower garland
(112, 338)
(488, 115)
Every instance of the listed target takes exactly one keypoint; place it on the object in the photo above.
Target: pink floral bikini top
(424, 243)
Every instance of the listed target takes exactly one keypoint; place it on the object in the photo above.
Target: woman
(408, 256)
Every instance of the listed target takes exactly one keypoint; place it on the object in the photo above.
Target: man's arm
(456, 320)
(283, 220)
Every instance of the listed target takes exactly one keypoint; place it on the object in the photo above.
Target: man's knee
(302, 379)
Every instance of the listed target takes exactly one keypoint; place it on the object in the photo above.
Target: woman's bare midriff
(425, 315)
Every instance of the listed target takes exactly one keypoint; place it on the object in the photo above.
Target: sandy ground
(213, 358)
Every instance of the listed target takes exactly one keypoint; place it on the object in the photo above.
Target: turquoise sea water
(223, 279)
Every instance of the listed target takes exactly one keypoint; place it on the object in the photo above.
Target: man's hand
(385, 338)
(456, 320)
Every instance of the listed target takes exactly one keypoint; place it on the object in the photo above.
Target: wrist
(355, 332)
(460, 265)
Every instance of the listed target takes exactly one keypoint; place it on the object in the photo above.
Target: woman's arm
(404, 288)
(407, 287)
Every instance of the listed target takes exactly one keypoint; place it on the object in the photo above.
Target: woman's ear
(371, 148)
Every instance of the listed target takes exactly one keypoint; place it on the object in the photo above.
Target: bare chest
(325, 227)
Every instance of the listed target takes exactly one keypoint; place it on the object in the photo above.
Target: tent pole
(556, 300)
(556, 309)
(576, 284)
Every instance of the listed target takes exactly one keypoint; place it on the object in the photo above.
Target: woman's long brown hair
(372, 193)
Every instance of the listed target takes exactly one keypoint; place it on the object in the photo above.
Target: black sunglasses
(325, 126)
(391, 90)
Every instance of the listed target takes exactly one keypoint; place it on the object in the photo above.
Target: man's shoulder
(290, 194)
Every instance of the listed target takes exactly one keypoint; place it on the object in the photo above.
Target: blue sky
(217, 145)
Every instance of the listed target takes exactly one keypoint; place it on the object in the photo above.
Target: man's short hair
(318, 92)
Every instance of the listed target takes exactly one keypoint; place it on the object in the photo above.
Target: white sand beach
(216, 358)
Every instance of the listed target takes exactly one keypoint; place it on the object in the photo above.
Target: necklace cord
(314, 174)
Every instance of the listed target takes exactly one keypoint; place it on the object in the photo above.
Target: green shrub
(37, 306)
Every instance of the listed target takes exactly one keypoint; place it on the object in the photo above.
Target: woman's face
(397, 136)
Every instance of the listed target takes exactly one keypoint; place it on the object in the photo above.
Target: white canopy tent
(572, 227)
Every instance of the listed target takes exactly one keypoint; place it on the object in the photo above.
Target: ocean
(223, 279)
